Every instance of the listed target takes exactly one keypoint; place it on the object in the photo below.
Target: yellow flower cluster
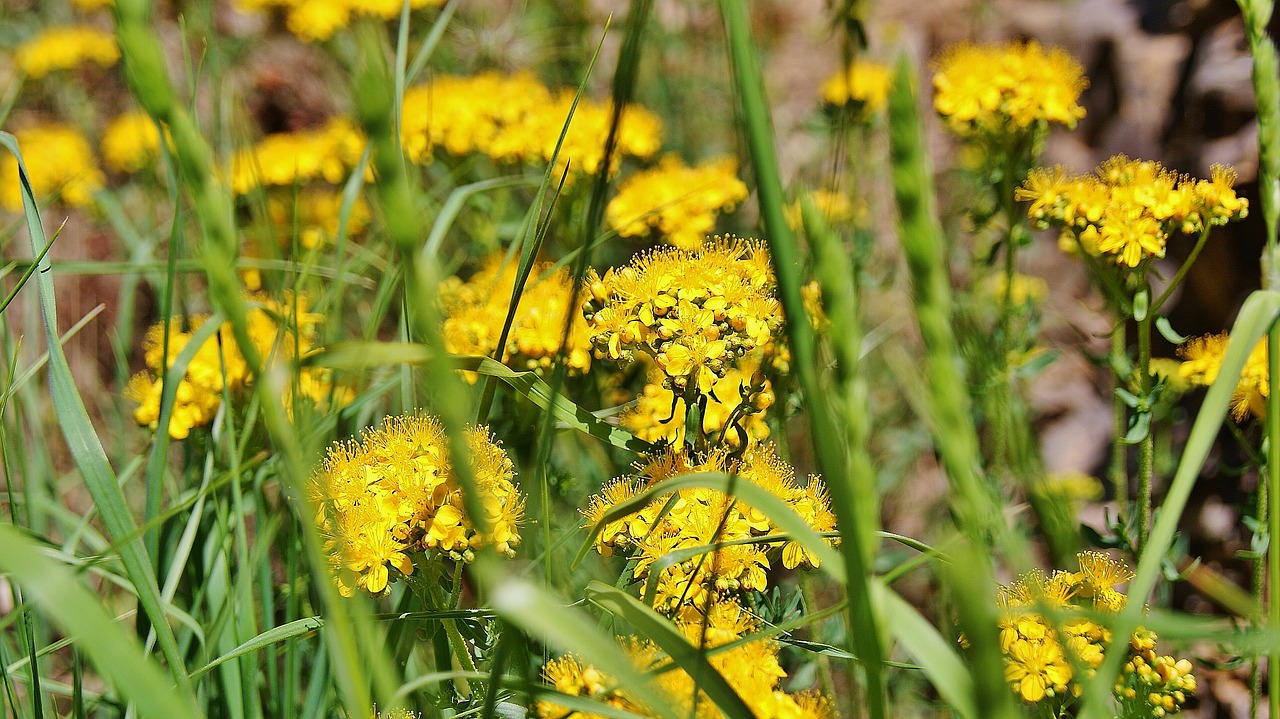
(65, 48)
(1128, 208)
(58, 160)
(326, 153)
(316, 20)
(1152, 685)
(862, 87)
(1039, 655)
(475, 310)
(679, 202)
(698, 518)
(517, 119)
(996, 90)
(218, 368)
(130, 143)
(834, 206)
(92, 4)
(734, 407)
(1023, 290)
(393, 494)
(1202, 359)
(315, 216)
(750, 668)
(694, 312)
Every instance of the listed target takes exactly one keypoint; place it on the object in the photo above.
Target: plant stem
(1147, 447)
(1119, 471)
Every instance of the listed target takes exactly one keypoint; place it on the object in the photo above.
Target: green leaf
(1167, 332)
(935, 655)
(1141, 301)
(296, 628)
(658, 629)
(78, 612)
(1139, 428)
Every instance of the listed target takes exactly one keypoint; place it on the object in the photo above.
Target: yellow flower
(92, 4)
(693, 520)
(326, 153)
(277, 328)
(693, 312)
(66, 48)
(58, 161)
(393, 494)
(318, 20)
(834, 206)
(659, 415)
(863, 86)
(517, 119)
(1202, 358)
(680, 203)
(130, 142)
(1036, 669)
(1128, 208)
(475, 311)
(997, 89)
(314, 216)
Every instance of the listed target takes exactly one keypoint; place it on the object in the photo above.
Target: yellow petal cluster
(1202, 358)
(836, 207)
(517, 119)
(327, 153)
(130, 143)
(66, 48)
(475, 310)
(751, 668)
(318, 20)
(694, 312)
(279, 330)
(1127, 209)
(996, 90)
(392, 494)
(698, 518)
(59, 161)
(1042, 657)
(862, 87)
(659, 415)
(314, 215)
(677, 202)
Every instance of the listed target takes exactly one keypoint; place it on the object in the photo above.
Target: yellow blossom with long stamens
(392, 495)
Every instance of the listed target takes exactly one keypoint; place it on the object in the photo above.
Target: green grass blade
(86, 450)
(935, 655)
(274, 635)
(828, 438)
(78, 612)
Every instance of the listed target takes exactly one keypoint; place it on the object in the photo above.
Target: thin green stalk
(978, 515)
(1119, 470)
(1147, 447)
(1266, 88)
(1258, 586)
(1273, 517)
(828, 445)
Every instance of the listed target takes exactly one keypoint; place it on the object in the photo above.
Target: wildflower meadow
(671, 359)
